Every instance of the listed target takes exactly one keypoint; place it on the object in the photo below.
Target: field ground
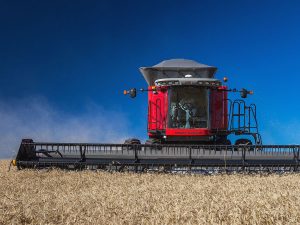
(61, 197)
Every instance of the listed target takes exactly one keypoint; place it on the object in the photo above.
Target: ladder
(243, 120)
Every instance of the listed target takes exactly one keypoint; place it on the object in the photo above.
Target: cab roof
(177, 68)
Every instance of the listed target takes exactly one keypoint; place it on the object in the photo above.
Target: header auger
(190, 120)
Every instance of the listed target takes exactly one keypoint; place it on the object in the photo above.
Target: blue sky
(63, 66)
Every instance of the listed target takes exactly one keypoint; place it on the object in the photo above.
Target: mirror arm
(244, 92)
(133, 91)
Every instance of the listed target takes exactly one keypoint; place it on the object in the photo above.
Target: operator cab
(186, 104)
(180, 108)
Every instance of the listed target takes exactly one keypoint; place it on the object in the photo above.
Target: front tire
(155, 143)
(130, 142)
(243, 143)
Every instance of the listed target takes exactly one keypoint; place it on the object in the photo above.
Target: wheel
(129, 142)
(243, 142)
(132, 141)
(154, 142)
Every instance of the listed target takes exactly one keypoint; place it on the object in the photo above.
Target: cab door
(157, 110)
(219, 108)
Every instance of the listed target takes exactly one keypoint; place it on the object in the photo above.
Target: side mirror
(131, 92)
(244, 93)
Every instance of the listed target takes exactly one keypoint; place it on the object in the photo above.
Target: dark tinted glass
(188, 107)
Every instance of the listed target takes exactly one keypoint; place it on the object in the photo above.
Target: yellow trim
(14, 162)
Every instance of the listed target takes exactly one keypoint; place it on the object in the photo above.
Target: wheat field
(89, 197)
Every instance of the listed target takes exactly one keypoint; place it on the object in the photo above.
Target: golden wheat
(89, 197)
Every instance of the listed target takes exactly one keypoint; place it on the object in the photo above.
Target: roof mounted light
(205, 82)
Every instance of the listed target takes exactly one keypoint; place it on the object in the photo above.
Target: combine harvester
(189, 120)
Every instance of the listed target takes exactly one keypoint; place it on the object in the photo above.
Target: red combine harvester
(186, 104)
(190, 119)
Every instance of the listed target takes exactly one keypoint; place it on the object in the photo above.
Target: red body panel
(188, 132)
(219, 109)
(157, 109)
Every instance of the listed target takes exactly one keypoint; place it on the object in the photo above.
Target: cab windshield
(188, 107)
